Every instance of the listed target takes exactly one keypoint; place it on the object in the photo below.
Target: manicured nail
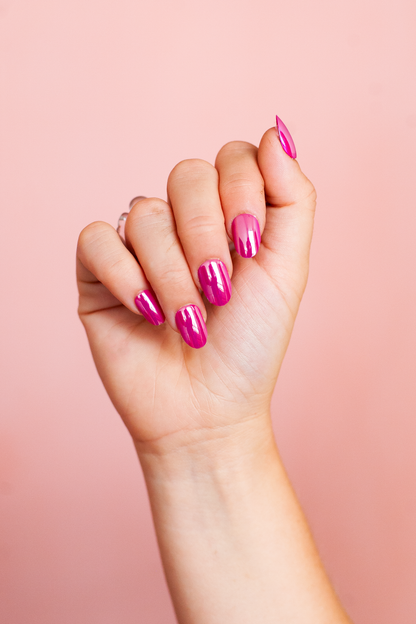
(246, 235)
(285, 138)
(215, 282)
(147, 304)
(191, 324)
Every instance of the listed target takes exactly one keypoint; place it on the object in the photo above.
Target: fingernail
(190, 323)
(285, 138)
(135, 200)
(147, 304)
(246, 235)
(215, 282)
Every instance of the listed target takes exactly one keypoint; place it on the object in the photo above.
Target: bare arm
(189, 341)
(234, 542)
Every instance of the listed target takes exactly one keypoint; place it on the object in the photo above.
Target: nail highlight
(246, 235)
(285, 138)
(215, 282)
(148, 305)
(190, 323)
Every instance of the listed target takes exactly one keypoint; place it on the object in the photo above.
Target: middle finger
(194, 196)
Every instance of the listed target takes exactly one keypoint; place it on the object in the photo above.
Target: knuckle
(313, 197)
(93, 232)
(150, 205)
(91, 240)
(96, 248)
(235, 148)
(309, 197)
(113, 266)
(237, 182)
(192, 168)
(148, 212)
(238, 185)
(173, 277)
(198, 223)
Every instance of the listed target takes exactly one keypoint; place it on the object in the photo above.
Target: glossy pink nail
(246, 235)
(148, 305)
(215, 282)
(285, 138)
(191, 324)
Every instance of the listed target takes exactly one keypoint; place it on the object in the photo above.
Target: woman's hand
(233, 540)
(167, 392)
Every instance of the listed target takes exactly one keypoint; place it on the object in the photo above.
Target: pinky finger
(108, 274)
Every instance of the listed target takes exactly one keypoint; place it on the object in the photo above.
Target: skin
(234, 542)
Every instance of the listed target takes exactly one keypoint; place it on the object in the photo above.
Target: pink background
(99, 101)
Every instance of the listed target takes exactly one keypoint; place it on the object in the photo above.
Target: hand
(167, 392)
(233, 540)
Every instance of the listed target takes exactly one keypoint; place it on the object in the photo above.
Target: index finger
(241, 189)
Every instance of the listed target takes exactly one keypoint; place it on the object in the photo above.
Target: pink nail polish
(191, 324)
(246, 235)
(215, 282)
(285, 138)
(148, 305)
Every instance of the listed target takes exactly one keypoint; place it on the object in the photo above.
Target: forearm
(233, 539)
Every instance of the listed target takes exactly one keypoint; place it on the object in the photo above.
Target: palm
(160, 386)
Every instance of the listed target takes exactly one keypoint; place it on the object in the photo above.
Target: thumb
(291, 199)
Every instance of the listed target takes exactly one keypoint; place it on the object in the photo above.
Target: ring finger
(151, 231)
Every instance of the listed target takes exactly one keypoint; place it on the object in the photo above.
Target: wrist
(204, 487)
(228, 452)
